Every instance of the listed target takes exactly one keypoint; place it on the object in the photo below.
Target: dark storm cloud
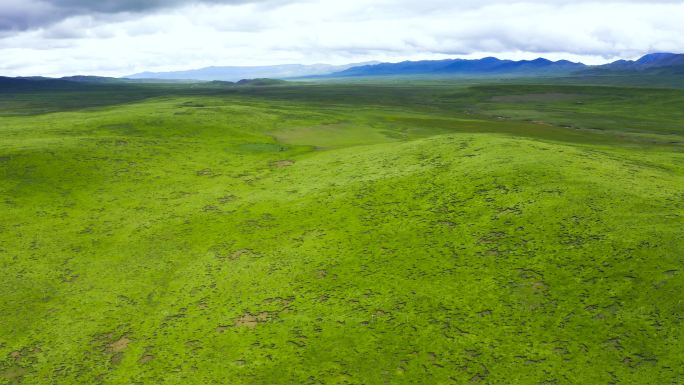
(19, 15)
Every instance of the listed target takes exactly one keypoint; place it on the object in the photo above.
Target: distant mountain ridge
(650, 61)
(669, 64)
(666, 63)
(232, 73)
(36, 83)
(486, 66)
(651, 64)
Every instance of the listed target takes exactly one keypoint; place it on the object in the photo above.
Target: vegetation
(341, 233)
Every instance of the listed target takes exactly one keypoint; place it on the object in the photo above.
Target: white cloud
(311, 31)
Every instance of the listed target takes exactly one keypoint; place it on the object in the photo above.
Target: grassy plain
(396, 232)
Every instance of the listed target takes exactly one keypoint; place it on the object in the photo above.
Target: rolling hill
(337, 233)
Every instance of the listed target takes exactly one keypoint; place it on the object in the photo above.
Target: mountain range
(651, 64)
(486, 66)
(286, 71)
(490, 66)
(656, 63)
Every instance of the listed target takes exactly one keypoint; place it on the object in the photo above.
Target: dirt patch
(111, 345)
(14, 374)
(238, 254)
(147, 356)
(192, 346)
(206, 172)
(145, 359)
(248, 320)
(117, 358)
(282, 163)
(119, 345)
(252, 320)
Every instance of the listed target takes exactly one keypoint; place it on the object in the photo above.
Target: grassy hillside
(342, 234)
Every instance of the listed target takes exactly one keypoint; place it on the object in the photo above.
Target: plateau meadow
(349, 232)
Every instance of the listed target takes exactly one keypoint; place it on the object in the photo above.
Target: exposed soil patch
(206, 172)
(14, 374)
(238, 254)
(116, 358)
(194, 346)
(283, 163)
(251, 320)
(119, 345)
(145, 359)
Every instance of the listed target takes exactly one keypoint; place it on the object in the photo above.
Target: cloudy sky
(120, 37)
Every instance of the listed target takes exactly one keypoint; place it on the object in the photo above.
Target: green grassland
(338, 233)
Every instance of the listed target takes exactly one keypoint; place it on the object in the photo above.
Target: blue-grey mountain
(480, 67)
(656, 63)
(285, 71)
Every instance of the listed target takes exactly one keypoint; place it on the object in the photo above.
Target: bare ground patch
(14, 374)
(119, 345)
(252, 320)
(282, 163)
